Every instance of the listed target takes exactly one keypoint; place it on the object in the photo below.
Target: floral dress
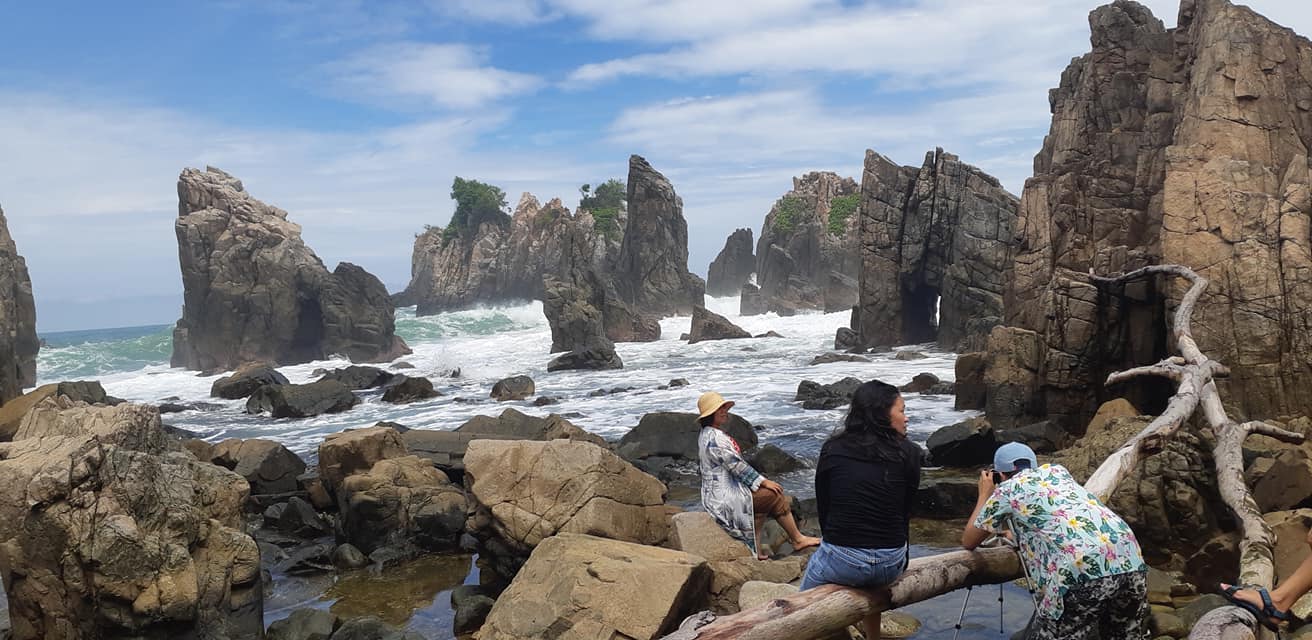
(1067, 537)
(727, 484)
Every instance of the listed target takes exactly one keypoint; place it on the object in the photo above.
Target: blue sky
(355, 116)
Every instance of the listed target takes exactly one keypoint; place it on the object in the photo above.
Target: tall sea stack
(807, 256)
(18, 340)
(253, 291)
(652, 272)
(733, 267)
(1189, 146)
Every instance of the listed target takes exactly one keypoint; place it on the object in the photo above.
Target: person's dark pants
(1111, 608)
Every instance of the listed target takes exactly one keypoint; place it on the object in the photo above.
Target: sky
(354, 116)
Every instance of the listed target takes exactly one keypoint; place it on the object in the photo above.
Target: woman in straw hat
(735, 494)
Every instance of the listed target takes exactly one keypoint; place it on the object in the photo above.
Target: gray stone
(814, 395)
(594, 358)
(651, 272)
(348, 556)
(829, 358)
(733, 267)
(357, 377)
(769, 460)
(18, 340)
(750, 302)
(708, 325)
(513, 388)
(404, 389)
(965, 444)
(301, 400)
(246, 380)
(303, 624)
(674, 434)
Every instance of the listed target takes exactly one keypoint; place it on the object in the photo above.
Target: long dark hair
(868, 423)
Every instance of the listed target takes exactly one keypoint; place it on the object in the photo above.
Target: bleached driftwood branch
(824, 610)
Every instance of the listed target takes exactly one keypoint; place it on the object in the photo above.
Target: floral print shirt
(1066, 535)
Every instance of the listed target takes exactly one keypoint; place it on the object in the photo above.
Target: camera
(997, 476)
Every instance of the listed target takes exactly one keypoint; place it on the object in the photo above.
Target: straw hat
(710, 402)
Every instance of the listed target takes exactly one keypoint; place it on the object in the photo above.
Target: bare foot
(805, 542)
(762, 556)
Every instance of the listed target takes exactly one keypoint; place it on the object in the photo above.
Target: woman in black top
(865, 484)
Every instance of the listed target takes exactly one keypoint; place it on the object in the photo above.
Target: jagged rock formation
(937, 236)
(252, 290)
(651, 274)
(733, 267)
(112, 531)
(807, 257)
(498, 261)
(1189, 146)
(576, 304)
(18, 340)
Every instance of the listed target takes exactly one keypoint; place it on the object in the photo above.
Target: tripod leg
(962, 617)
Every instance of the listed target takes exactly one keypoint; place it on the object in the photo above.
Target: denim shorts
(854, 567)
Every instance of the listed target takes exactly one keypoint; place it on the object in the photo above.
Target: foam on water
(761, 375)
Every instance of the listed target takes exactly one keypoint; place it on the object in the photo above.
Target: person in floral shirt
(1083, 559)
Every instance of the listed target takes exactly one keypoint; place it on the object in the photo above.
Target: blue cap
(1004, 459)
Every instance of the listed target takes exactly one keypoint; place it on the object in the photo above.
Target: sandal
(1268, 615)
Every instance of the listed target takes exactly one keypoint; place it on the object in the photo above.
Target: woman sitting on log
(1271, 608)
(735, 494)
(1082, 557)
(865, 484)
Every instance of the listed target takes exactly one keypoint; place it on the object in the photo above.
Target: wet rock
(348, 556)
(178, 407)
(674, 434)
(678, 382)
(921, 382)
(513, 388)
(771, 460)
(1043, 437)
(846, 339)
(965, 444)
(401, 364)
(357, 377)
(769, 334)
(301, 400)
(828, 358)
(528, 491)
(304, 624)
(268, 466)
(946, 498)
(543, 401)
(751, 302)
(471, 613)
(371, 628)
(408, 389)
(315, 491)
(594, 358)
(630, 590)
(354, 451)
(971, 390)
(910, 355)
(308, 559)
(254, 291)
(708, 325)
(941, 389)
(401, 498)
(814, 395)
(299, 518)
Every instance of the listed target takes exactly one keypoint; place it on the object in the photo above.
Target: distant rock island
(253, 291)
(18, 339)
(807, 256)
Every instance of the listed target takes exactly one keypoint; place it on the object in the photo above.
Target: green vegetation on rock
(605, 204)
(840, 210)
(476, 203)
(787, 213)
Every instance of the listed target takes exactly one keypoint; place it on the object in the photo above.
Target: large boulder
(971, 390)
(750, 301)
(935, 252)
(596, 358)
(252, 289)
(357, 377)
(401, 499)
(651, 272)
(814, 395)
(579, 587)
(268, 466)
(18, 340)
(246, 380)
(13, 412)
(1287, 484)
(1290, 529)
(446, 449)
(733, 267)
(808, 255)
(964, 444)
(526, 492)
(730, 577)
(623, 324)
(108, 533)
(708, 325)
(771, 460)
(356, 451)
(404, 389)
(697, 533)
(513, 388)
(674, 434)
(301, 400)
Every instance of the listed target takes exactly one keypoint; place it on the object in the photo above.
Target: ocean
(761, 375)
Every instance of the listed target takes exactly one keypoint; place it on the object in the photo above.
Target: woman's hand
(771, 485)
(986, 485)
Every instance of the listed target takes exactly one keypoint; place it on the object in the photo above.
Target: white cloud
(503, 12)
(452, 76)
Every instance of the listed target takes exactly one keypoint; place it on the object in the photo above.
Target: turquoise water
(75, 355)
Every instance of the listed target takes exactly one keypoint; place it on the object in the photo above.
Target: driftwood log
(816, 613)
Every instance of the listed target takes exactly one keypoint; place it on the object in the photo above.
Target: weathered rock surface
(405, 389)
(830, 358)
(935, 245)
(733, 267)
(708, 325)
(814, 395)
(304, 624)
(751, 302)
(246, 380)
(446, 449)
(964, 444)
(808, 255)
(356, 451)
(769, 460)
(1189, 146)
(18, 340)
(253, 291)
(651, 274)
(921, 382)
(673, 434)
(267, 466)
(972, 393)
(13, 412)
(577, 587)
(301, 400)
(594, 358)
(357, 377)
(126, 538)
(697, 533)
(399, 499)
(529, 491)
(513, 388)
